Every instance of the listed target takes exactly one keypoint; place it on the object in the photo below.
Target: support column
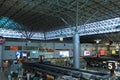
(1, 50)
(76, 54)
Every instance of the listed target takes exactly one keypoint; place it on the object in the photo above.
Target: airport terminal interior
(59, 39)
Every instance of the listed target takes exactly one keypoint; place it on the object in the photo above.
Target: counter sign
(112, 65)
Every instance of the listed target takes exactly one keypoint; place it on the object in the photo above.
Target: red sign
(86, 53)
(102, 52)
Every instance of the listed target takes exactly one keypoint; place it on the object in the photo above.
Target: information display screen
(63, 54)
(22, 54)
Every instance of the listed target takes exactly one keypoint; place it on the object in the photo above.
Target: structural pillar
(76, 54)
(1, 50)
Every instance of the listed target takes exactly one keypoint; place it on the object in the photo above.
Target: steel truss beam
(100, 27)
(9, 33)
(106, 26)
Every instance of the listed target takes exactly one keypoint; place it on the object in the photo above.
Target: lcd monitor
(18, 55)
(63, 54)
(22, 54)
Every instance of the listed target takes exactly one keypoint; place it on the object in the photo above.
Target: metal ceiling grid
(44, 16)
(48, 8)
(107, 26)
(28, 10)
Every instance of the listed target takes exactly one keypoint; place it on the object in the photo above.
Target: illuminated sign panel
(86, 53)
(13, 47)
(102, 52)
(113, 51)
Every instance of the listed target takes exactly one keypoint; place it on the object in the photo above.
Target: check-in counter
(65, 72)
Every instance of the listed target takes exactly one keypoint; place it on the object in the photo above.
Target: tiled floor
(3, 76)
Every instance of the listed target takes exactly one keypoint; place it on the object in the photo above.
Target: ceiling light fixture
(61, 38)
(98, 40)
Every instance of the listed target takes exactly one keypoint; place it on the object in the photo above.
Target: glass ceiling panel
(6, 29)
(8, 23)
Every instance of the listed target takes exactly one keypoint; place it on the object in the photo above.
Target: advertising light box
(86, 53)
